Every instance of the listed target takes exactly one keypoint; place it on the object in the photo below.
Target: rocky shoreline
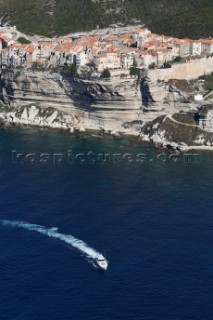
(162, 113)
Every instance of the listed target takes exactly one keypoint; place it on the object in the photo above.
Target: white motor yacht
(102, 262)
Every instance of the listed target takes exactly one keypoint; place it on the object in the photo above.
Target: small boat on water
(102, 262)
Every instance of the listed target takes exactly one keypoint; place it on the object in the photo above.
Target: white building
(127, 59)
(183, 47)
(107, 59)
(81, 58)
(149, 58)
(207, 46)
(195, 48)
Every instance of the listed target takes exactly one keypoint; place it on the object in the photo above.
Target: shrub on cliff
(208, 81)
(37, 66)
(72, 69)
(134, 71)
(177, 59)
(152, 66)
(23, 40)
(106, 74)
(166, 65)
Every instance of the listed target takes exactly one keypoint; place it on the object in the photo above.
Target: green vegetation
(188, 118)
(72, 69)
(177, 59)
(182, 18)
(134, 71)
(106, 74)
(166, 65)
(169, 64)
(210, 97)
(208, 78)
(152, 66)
(23, 40)
(209, 86)
(37, 66)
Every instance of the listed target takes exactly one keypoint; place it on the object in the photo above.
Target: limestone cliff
(90, 103)
(122, 104)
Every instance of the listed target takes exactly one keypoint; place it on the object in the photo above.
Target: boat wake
(53, 233)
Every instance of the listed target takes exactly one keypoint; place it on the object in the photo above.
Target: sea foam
(53, 233)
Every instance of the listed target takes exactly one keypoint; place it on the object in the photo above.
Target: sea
(66, 198)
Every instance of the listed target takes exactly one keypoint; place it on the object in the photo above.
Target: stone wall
(192, 69)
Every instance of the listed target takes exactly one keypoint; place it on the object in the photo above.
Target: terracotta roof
(208, 41)
(30, 49)
(65, 47)
(140, 30)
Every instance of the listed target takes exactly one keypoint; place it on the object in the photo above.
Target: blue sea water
(153, 220)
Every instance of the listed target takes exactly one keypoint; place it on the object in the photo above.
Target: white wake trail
(53, 233)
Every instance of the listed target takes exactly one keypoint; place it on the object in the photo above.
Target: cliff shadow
(146, 96)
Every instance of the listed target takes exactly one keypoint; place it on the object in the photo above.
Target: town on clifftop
(115, 48)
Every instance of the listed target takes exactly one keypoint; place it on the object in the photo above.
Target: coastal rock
(156, 139)
(177, 135)
(182, 147)
(173, 145)
(152, 110)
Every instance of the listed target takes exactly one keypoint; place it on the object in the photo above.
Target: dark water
(153, 220)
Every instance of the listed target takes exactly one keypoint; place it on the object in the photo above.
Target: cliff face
(180, 131)
(122, 104)
(95, 104)
(163, 98)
